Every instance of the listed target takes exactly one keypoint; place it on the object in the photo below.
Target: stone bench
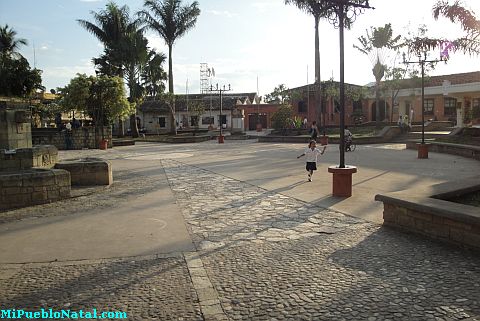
(32, 187)
(88, 171)
(428, 212)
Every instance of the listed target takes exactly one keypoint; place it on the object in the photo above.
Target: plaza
(234, 231)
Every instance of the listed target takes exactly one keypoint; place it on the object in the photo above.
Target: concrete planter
(422, 151)
(342, 180)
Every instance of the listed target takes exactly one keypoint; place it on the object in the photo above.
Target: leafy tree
(171, 21)
(196, 109)
(281, 119)
(279, 95)
(16, 76)
(103, 98)
(375, 45)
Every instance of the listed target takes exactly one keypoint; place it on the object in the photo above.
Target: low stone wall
(26, 158)
(32, 187)
(187, 139)
(78, 138)
(468, 151)
(420, 212)
(386, 135)
(88, 171)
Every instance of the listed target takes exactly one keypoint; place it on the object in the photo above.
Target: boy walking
(311, 154)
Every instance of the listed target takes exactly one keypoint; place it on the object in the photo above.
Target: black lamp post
(339, 12)
(422, 60)
(220, 90)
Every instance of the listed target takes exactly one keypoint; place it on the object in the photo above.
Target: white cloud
(224, 13)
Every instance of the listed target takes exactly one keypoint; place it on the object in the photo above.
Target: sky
(247, 42)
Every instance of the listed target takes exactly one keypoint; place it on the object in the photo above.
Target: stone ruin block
(88, 171)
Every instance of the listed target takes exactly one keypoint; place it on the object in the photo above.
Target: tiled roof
(213, 100)
(435, 81)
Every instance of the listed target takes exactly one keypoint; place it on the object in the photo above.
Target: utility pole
(220, 90)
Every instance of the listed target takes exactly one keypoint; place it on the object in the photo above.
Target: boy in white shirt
(311, 154)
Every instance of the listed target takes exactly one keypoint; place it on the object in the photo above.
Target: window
(450, 107)
(476, 104)
(302, 107)
(428, 105)
(207, 120)
(357, 106)
(476, 108)
(161, 122)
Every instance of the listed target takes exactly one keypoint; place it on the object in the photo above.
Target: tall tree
(9, 43)
(125, 49)
(16, 76)
(376, 45)
(153, 75)
(171, 20)
(319, 10)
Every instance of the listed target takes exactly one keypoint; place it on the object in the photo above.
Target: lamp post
(340, 11)
(220, 90)
(422, 60)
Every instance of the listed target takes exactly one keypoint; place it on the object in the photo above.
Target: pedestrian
(305, 123)
(311, 153)
(314, 131)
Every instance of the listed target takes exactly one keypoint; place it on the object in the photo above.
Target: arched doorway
(384, 110)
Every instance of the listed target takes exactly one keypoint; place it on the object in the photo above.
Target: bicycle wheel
(352, 147)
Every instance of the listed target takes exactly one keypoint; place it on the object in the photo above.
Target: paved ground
(234, 232)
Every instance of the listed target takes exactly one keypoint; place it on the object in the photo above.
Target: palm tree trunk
(318, 83)
(377, 104)
(133, 98)
(173, 127)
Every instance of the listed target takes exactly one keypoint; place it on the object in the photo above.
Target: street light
(422, 60)
(220, 90)
(339, 11)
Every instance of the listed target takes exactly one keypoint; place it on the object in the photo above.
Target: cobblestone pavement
(260, 255)
(272, 257)
(147, 288)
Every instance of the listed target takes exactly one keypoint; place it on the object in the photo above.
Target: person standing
(305, 123)
(314, 131)
(311, 153)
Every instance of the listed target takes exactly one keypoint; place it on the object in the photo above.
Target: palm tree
(125, 49)
(318, 9)
(9, 43)
(375, 45)
(171, 21)
(153, 75)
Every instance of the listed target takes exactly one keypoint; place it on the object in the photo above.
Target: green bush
(282, 118)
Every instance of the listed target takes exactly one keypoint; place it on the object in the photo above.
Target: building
(453, 98)
(192, 110)
(304, 103)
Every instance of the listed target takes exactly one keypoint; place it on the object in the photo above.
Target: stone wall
(26, 158)
(79, 138)
(15, 129)
(32, 187)
(457, 230)
(448, 148)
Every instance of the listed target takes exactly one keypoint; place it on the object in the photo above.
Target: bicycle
(352, 148)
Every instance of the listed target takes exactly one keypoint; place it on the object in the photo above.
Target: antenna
(34, 57)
